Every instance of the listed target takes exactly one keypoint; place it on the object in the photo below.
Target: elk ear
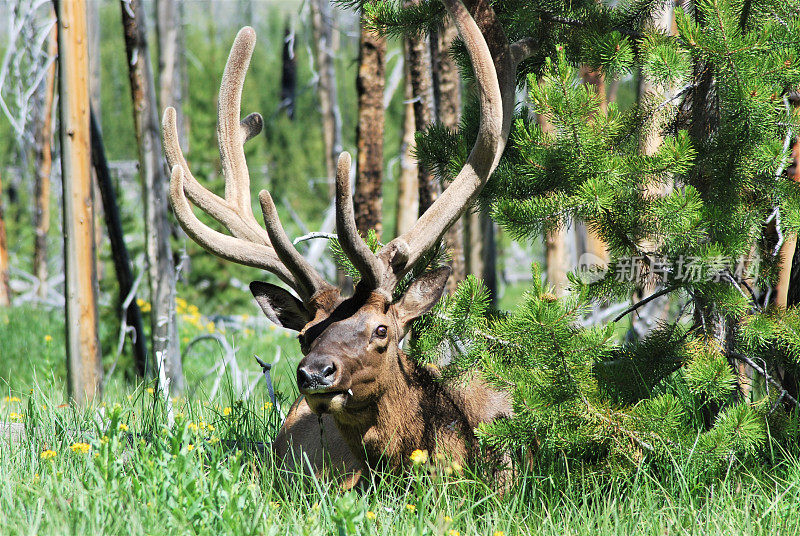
(280, 306)
(422, 295)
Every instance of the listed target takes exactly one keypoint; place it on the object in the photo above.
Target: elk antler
(250, 244)
(496, 83)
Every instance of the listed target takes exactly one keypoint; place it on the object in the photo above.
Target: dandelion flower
(189, 447)
(48, 338)
(82, 448)
(371, 515)
(47, 454)
(411, 507)
(419, 457)
(123, 427)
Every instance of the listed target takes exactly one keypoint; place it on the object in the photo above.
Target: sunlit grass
(137, 464)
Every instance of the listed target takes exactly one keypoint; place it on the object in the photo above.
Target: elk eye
(381, 332)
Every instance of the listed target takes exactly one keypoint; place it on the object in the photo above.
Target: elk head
(349, 344)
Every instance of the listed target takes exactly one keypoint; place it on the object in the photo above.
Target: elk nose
(316, 377)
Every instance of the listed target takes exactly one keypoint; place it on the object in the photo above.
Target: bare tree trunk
(447, 97)
(160, 266)
(83, 349)
(407, 193)
(594, 244)
(44, 165)
(5, 288)
(119, 251)
(289, 71)
(169, 30)
(93, 24)
(370, 85)
(418, 57)
(325, 52)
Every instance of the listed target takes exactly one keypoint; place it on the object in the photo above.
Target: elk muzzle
(318, 374)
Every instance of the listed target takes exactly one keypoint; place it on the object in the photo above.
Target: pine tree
(719, 102)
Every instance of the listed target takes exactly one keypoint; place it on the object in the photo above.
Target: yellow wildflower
(214, 439)
(411, 507)
(48, 338)
(10, 399)
(82, 448)
(210, 327)
(419, 457)
(274, 504)
(189, 447)
(123, 427)
(150, 390)
(226, 411)
(192, 427)
(453, 532)
(104, 439)
(267, 406)
(371, 515)
(47, 454)
(448, 519)
(16, 416)
(499, 533)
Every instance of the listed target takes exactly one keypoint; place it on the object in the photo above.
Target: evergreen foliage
(700, 219)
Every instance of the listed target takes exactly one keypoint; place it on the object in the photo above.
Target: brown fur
(396, 406)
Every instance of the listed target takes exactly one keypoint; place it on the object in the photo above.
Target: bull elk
(378, 404)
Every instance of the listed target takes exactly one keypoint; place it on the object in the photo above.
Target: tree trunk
(418, 57)
(5, 288)
(93, 25)
(447, 98)
(84, 367)
(288, 72)
(44, 165)
(119, 251)
(594, 244)
(407, 192)
(370, 85)
(169, 32)
(325, 52)
(160, 267)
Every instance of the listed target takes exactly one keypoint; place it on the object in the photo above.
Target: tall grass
(122, 467)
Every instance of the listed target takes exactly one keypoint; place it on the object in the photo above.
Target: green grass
(202, 475)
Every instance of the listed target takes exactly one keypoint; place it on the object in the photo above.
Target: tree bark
(44, 165)
(594, 244)
(84, 366)
(407, 192)
(325, 52)
(288, 72)
(160, 266)
(370, 85)
(169, 31)
(447, 99)
(119, 251)
(418, 57)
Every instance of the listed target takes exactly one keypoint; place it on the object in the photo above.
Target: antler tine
(232, 133)
(310, 281)
(250, 244)
(405, 251)
(353, 245)
(228, 247)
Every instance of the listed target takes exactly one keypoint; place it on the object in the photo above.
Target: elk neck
(414, 411)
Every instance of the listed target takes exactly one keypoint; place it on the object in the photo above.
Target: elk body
(375, 404)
